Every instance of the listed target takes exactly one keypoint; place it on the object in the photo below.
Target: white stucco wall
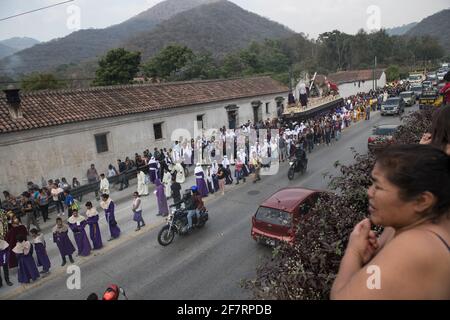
(350, 89)
(68, 150)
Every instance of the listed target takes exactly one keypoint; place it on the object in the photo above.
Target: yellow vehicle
(430, 99)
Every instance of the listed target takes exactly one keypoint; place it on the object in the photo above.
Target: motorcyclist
(190, 205)
(300, 156)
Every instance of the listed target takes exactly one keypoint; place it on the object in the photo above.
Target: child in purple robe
(61, 238)
(163, 208)
(77, 224)
(41, 250)
(4, 260)
(27, 266)
(94, 228)
(108, 205)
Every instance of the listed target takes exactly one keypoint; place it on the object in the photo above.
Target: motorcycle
(177, 222)
(296, 167)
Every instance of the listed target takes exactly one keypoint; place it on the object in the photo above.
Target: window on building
(267, 107)
(101, 141)
(157, 128)
(201, 124)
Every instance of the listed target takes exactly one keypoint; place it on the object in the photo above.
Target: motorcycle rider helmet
(111, 293)
(194, 188)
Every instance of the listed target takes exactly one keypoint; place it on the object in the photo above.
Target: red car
(277, 217)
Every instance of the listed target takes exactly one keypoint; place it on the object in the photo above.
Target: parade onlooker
(410, 197)
(57, 195)
(137, 211)
(43, 201)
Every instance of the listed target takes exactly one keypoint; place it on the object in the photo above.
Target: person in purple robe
(163, 208)
(78, 224)
(41, 250)
(61, 238)
(94, 228)
(153, 166)
(4, 259)
(200, 179)
(108, 205)
(27, 266)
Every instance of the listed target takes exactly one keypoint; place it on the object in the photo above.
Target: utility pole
(374, 71)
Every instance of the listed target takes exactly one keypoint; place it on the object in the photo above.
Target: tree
(201, 66)
(168, 62)
(392, 73)
(118, 66)
(41, 81)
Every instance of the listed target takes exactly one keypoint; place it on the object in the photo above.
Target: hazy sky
(310, 17)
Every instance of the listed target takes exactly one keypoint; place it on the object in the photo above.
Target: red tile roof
(51, 108)
(354, 76)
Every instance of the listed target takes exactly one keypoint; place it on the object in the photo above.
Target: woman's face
(59, 223)
(386, 208)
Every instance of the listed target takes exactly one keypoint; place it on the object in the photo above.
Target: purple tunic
(161, 197)
(153, 171)
(63, 242)
(27, 267)
(95, 234)
(42, 257)
(83, 244)
(201, 184)
(110, 218)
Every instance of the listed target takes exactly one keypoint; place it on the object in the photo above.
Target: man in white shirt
(104, 184)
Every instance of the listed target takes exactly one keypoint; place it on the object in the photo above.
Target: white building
(353, 82)
(54, 134)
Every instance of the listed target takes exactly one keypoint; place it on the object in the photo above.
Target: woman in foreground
(410, 197)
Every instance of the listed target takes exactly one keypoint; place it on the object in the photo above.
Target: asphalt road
(210, 263)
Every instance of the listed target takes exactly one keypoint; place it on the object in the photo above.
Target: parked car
(432, 76)
(427, 84)
(417, 89)
(415, 78)
(277, 217)
(394, 106)
(441, 75)
(409, 97)
(381, 137)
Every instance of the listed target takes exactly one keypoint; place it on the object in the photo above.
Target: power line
(43, 8)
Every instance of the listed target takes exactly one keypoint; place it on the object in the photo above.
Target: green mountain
(91, 43)
(219, 27)
(400, 31)
(13, 45)
(437, 25)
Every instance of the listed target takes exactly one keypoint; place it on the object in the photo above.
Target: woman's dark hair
(88, 204)
(58, 219)
(105, 196)
(447, 77)
(415, 169)
(21, 238)
(440, 130)
(34, 231)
